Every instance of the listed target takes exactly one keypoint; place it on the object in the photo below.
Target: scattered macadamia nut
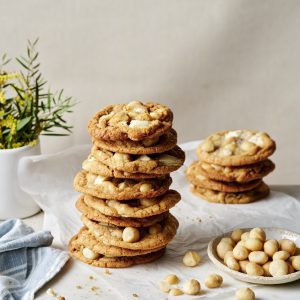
(175, 292)
(130, 234)
(254, 269)
(191, 259)
(259, 257)
(222, 248)
(253, 244)
(213, 281)
(240, 252)
(282, 254)
(278, 268)
(243, 264)
(244, 294)
(257, 233)
(287, 245)
(171, 279)
(236, 235)
(296, 262)
(164, 286)
(270, 247)
(192, 287)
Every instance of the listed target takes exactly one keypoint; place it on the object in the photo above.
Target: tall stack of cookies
(125, 182)
(231, 167)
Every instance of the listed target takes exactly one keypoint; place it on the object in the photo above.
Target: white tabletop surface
(65, 283)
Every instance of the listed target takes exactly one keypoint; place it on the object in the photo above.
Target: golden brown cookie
(160, 144)
(95, 215)
(239, 174)
(135, 121)
(120, 189)
(92, 165)
(258, 193)
(111, 262)
(86, 239)
(113, 235)
(201, 181)
(136, 208)
(161, 163)
(236, 147)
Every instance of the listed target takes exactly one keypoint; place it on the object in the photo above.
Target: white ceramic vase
(14, 202)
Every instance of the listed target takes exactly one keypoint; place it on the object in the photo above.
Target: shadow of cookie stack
(231, 167)
(125, 182)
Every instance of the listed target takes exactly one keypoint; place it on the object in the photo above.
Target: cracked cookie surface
(120, 189)
(236, 147)
(135, 121)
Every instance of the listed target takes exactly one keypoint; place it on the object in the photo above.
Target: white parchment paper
(49, 179)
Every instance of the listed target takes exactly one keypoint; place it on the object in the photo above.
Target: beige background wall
(218, 64)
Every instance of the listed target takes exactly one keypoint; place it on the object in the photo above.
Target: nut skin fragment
(191, 259)
(244, 294)
(213, 281)
(192, 287)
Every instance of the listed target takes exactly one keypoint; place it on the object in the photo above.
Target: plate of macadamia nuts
(258, 255)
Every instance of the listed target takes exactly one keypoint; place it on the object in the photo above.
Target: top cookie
(236, 148)
(135, 121)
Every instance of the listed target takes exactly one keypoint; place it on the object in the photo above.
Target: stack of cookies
(231, 166)
(125, 182)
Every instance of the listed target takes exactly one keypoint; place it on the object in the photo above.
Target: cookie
(95, 215)
(161, 163)
(101, 261)
(113, 235)
(258, 193)
(160, 144)
(120, 189)
(136, 208)
(236, 148)
(135, 121)
(238, 174)
(222, 186)
(92, 165)
(86, 239)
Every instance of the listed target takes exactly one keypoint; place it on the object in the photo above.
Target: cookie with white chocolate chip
(134, 208)
(95, 215)
(86, 255)
(92, 165)
(201, 181)
(160, 163)
(86, 239)
(255, 194)
(135, 121)
(236, 148)
(160, 144)
(120, 189)
(239, 174)
(152, 237)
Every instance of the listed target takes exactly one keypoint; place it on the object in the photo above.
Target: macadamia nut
(175, 292)
(257, 233)
(259, 257)
(296, 262)
(278, 268)
(245, 236)
(244, 294)
(191, 259)
(236, 234)
(270, 247)
(192, 287)
(243, 264)
(222, 248)
(171, 279)
(240, 252)
(89, 254)
(232, 263)
(130, 234)
(283, 255)
(213, 281)
(266, 268)
(254, 269)
(288, 245)
(253, 244)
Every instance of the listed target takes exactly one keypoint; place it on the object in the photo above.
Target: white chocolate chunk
(100, 179)
(89, 254)
(139, 124)
(169, 160)
(130, 234)
(144, 158)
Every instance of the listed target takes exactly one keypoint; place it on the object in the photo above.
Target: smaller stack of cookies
(231, 167)
(125, 182)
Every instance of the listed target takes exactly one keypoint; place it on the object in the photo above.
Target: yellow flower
(2, 98)
(6, 77)
(10, 122)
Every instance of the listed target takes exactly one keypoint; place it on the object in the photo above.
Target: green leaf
(22, 123)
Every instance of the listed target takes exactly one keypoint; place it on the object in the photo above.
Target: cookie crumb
(61, 298)
(78, 287)
(91, 277)
(107, 272)
(94, 289)
(135, 295)
(51, 292)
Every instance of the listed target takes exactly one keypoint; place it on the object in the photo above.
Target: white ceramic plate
(271, 233)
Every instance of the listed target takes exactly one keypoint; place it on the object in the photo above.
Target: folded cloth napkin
(26, 263)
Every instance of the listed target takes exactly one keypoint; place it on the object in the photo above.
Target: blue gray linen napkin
(26, 263)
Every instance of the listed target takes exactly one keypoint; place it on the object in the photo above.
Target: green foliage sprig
(27, 109)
